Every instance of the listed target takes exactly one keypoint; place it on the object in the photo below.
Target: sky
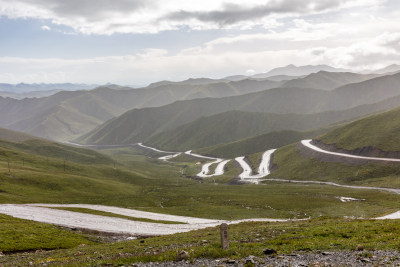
(136, 42)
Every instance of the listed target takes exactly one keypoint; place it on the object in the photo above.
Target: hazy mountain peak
(388, 69)
(293, 70)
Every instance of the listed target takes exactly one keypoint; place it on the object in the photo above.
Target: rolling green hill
(14, 144)
(352, 101)
(66, 115)
(259, 143)
(380, 131)
(235, 125)
(375, 135)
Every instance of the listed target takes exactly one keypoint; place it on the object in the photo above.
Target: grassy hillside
(308, 237)
(66, 115)
(257, 143)
(293, 165)
(378, 131)
(144, 124)
(235, 125)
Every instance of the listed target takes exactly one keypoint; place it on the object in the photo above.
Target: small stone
(360, 248)
(78, 253)
(250, 260)
(183, 255)
(204, 241)
(230, 261)
(365, 260)
(269, 251)
(325, 253)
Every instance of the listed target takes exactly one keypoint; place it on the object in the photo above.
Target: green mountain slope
(343, 103)
(14, 143)
(375, 135)
(66, 115)
(257, 143)
(380, 131)
(234, 125)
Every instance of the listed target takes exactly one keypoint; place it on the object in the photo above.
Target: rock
(204, 241)
(183, 255)
(250, 260)
(325, 253)
(360, 248)
(230, 261)
(269, 251)
(365, 260)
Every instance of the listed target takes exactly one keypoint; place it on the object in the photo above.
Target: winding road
(263, 169)
(307, 143)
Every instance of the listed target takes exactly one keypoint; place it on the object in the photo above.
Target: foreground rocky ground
(355, 258)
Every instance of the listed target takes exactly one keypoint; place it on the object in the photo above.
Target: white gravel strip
(155, 149)
(165, 158)
(130, 212)
(189, 152)
(111, 224)
(263, 169)
(205, 169)
(308, 144)
(96, 222)
(220, 169)
(348, 199)
(395, 215)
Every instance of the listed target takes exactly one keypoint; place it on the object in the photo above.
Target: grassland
(23, 235)
(292, 165)
(259, 143)
(125, 177)
(114, 215)
(378, 131)
(322, 234)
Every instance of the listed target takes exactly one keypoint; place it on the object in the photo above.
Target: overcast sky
(134, 42)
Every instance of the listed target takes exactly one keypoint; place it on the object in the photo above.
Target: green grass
(292, 165)
(22, 235)
(110, 214)
(259, 143)
(378, 131)
(322, 234)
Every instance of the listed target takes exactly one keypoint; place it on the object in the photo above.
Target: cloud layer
(151, 16)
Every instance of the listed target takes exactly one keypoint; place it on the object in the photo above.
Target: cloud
(234, 13)
(151, 16)
(45, 28)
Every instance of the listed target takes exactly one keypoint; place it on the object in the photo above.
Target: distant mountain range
(344, 103)
(24, 87)
(202, 112)
(292, 70)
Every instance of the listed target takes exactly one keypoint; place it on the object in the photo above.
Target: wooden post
(224, 236)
